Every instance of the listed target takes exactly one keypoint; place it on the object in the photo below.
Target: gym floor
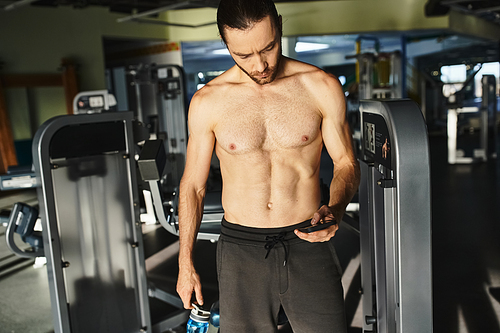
(466, 248)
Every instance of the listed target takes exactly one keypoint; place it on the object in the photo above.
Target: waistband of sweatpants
(251, 235)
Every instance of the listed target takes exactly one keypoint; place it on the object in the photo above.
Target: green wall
(342, 17)
(35, 39)
(322, 18)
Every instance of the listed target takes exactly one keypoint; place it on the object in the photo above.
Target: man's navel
(269, 205)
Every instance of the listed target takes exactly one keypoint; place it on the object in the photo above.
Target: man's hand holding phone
(323, 226)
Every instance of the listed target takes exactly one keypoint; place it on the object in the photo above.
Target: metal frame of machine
(395, 218)
(88, 207)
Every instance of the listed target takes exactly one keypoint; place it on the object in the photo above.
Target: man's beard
(270, 73)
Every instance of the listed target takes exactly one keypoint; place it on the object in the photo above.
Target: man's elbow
(189, 188)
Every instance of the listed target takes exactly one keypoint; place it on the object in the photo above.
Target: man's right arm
(191, 196)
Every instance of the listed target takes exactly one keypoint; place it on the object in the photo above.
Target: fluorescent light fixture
(221, 52)
(304, 46)
(299, 47)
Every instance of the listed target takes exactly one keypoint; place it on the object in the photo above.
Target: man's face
(256, 51)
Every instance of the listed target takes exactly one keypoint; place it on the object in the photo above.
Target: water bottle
(198, 320)
(213, 326)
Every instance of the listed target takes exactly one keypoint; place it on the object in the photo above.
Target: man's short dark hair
(242, 14)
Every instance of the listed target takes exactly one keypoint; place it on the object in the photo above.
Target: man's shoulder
(309, 74)
(324, 89)
(215, 88)
(208, 102)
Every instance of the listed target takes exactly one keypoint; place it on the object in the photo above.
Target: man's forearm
(344, 186)
(190, 215)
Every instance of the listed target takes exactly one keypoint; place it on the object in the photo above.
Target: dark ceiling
(128, 6)
(486, 9)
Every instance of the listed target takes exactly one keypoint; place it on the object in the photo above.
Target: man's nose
(261, 63)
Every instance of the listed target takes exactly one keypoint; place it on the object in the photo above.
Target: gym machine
(92, 237)
(157, 95)
(95, 101)
(152, 163)
(487, 115)
(378, 74)
(395, 218)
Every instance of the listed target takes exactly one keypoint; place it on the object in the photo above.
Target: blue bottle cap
(199, 314)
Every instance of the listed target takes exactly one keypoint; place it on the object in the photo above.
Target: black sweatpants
(260, 269)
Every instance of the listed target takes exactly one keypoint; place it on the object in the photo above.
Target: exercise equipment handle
(22, 221)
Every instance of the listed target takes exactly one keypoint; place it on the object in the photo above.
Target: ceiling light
(304, 46)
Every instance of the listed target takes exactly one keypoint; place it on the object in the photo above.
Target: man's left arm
(338, 142)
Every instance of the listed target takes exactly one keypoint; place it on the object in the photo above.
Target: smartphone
(319, 226)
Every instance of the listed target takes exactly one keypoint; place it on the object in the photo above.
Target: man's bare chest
(267, 123)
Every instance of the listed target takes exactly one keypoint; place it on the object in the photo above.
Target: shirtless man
(268, 118)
